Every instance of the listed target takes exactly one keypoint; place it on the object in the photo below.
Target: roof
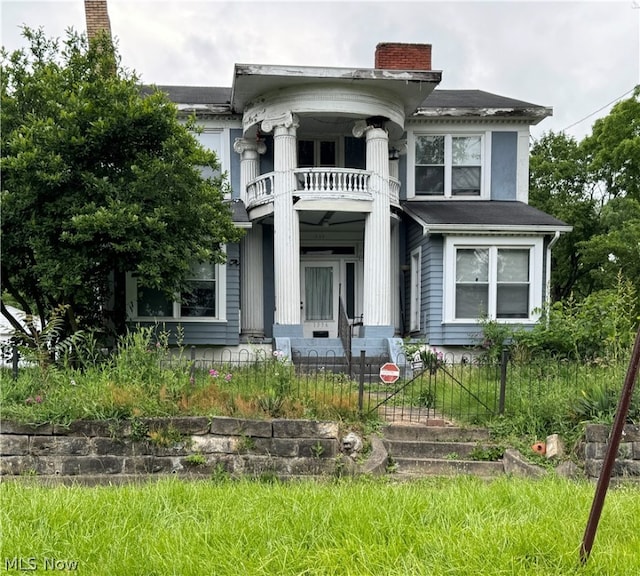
(471, 98)
(467, 103)
(438, 103)
(239, 214)
(211, 99)
(457, 216)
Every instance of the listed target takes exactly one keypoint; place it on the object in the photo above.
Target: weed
(166, 437)
(487, 453)
(195, 460)
(139, 429)
(269, 477)
(391, 466)
(245, 444)
(220, 474)
(317, 450)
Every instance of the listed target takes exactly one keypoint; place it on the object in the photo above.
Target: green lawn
(378, 527)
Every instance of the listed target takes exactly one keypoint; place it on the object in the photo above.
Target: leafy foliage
(599, 327)
(98, 179)
(593, 185)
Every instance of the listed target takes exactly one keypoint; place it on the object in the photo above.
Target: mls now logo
(47, 564)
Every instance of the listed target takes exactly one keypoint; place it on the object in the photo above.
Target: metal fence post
(192, 368)
(504, 360)
(361, 382)
(15, 357)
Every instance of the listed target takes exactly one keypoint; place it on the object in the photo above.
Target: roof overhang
(410, 87)
(532, 115)
(482, 217)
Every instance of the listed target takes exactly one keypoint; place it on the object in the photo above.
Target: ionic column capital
(286, 120)
(246, 145)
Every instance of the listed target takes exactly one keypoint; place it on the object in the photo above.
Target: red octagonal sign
(389, 373)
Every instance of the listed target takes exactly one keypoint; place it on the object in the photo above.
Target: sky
(575, 57)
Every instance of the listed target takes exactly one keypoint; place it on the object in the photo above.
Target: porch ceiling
(324, 219)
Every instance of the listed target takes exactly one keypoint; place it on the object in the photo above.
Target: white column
(394, 172)
(377, 233)
(251, 279)
(286, 229)
(395, 276)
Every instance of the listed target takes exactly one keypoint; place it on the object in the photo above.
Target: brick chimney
(97, 17)
(399, 56)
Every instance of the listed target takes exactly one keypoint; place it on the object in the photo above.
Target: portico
(314, 119)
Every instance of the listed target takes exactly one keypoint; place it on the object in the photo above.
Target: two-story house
(375, 205)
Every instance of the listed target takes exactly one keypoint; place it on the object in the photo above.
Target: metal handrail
(344, 330)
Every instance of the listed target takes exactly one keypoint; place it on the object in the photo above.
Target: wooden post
(612, 451)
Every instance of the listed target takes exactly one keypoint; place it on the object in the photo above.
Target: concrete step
(408, 433)
(443, 467)
(419, 449)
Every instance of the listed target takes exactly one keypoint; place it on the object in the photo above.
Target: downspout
(547, 299)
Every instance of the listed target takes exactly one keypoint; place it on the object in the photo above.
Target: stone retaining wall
(628, 460)
(157, 446)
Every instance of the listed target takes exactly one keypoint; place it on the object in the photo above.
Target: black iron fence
(465, 388)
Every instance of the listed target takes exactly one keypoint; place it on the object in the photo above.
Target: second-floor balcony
(321, 183)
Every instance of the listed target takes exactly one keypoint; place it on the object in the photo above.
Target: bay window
(501, 280)
(448, 165)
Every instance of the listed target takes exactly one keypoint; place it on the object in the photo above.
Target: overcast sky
(576, 57)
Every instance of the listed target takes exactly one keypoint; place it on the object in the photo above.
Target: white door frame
(329, 325)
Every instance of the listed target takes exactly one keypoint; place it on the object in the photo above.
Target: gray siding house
(376, 207)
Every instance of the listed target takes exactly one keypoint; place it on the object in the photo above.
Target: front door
(319, 291)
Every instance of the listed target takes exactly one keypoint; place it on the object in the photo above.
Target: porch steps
(310, 354)
(416, 451)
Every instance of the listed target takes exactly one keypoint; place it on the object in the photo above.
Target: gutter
(547, 295)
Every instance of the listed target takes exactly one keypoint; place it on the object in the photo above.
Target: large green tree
(98, 179)
(594, 185)
(562, 184)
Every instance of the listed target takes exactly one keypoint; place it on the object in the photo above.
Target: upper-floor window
(448, 165)
(202, 298)
(216, 140)
(317, 153)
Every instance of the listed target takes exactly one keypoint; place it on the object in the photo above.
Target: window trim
(221, 302)
(485, 163)
(415, 289)
(224, 157)
(536, 253)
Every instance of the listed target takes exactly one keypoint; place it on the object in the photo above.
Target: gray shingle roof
(239, 213)
(468, 215)
(195, 94)
(471, 99)
(438, 99)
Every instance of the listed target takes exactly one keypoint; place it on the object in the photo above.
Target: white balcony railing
(329, 183)
(260, 190)
(394, 191)
(336, 181)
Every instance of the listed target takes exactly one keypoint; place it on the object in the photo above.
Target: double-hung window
(499, 281)
(202, 298)
(448, 165)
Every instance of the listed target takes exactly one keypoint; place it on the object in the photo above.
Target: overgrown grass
(144, 378)
(462, 526)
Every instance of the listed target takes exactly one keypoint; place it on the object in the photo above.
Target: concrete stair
(311, 354)
(417, 451)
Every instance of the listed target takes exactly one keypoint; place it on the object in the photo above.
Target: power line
(599, 109)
